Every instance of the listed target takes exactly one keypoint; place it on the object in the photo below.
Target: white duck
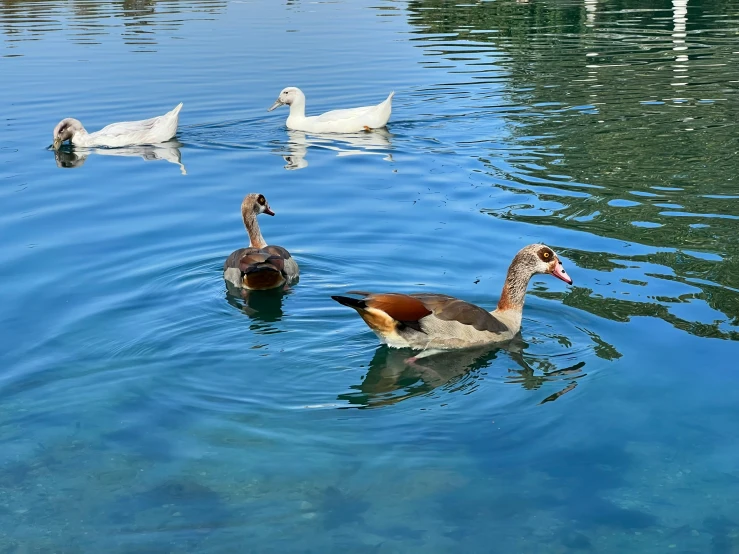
(127, 133)
(336, 121)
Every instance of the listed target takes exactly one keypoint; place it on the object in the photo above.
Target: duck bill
(57, 144)
(277, 104)
(560, 273)
(268, 211)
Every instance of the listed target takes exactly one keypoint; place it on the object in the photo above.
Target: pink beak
(560, 273)
(268, 211)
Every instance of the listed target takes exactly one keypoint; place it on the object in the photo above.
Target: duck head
(255, 204)
(539, 258)
(288, 96)
(65, 130)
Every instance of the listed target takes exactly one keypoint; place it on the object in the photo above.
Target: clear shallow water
(144, 410)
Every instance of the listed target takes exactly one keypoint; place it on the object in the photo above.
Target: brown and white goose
(441, 322)
(260, 266)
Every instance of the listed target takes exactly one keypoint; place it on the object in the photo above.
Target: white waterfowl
(127, 133)
(349, 120)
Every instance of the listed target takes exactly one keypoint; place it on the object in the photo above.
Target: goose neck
(514, 289)
(252, 228)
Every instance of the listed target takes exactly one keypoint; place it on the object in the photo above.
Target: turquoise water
(142, 409)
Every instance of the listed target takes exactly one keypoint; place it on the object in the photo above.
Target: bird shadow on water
(395, 375)
(68, 157)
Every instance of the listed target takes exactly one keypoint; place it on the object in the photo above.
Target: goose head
(255, 204)
(65, 130)
(288, 96)
(539, 258)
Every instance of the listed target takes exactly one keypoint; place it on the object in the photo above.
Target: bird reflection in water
(395, 375)
(69, 157)
(375, 142)
(263, 307)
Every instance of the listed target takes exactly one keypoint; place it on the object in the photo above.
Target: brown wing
(252, 258)
(449, 308)
(401, 307)
(235, 257)
(261, 268)
(277, 251)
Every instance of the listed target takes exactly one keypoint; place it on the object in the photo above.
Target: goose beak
(560, 273)
(277, 104)
(268, 211)
(57, 143)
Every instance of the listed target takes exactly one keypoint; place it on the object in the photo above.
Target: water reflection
(69, 157)
(142, 20)
(377, 143)
(680, 20)
(263, 307)
(596, 145)
(395, 374)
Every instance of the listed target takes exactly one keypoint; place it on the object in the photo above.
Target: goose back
(260, 268)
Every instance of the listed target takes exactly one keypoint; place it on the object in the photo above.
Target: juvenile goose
(259, 267)
(127, 133)
(441, 322)
(336, 121)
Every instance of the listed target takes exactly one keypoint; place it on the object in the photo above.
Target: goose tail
(350, 302)
(176, 109)
(263, 276)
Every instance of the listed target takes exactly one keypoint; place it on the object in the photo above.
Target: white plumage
(127, 133)
(336, 121)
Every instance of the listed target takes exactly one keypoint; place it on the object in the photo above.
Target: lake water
(142, 409)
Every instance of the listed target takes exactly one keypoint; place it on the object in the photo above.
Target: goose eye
(546, 255)
(260, 199)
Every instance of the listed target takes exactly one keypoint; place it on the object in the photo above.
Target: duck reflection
(263, 307)
(375, 142)
(69, 157)
(396, 374)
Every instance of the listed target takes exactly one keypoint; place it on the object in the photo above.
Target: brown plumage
(260, 266)
(438, 321)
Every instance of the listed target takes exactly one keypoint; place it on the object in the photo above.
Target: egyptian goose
(440, 322)
(126, 133)
(349, 120)
(260, 266)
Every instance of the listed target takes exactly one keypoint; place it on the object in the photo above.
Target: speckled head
(255, 204)
(65, 130)
(530, 260)
(542, 259)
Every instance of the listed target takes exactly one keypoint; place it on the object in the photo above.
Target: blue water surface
(143, 409)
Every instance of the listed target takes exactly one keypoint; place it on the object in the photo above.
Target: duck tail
(350, 302)
(263, 276)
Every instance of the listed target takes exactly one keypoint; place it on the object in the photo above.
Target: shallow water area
(144, 409)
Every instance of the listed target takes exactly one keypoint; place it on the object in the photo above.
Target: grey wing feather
(448, 308)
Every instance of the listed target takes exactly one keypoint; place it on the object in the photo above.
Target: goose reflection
(375, 143)
(394, 375)
(263, 307)
(67, 157)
